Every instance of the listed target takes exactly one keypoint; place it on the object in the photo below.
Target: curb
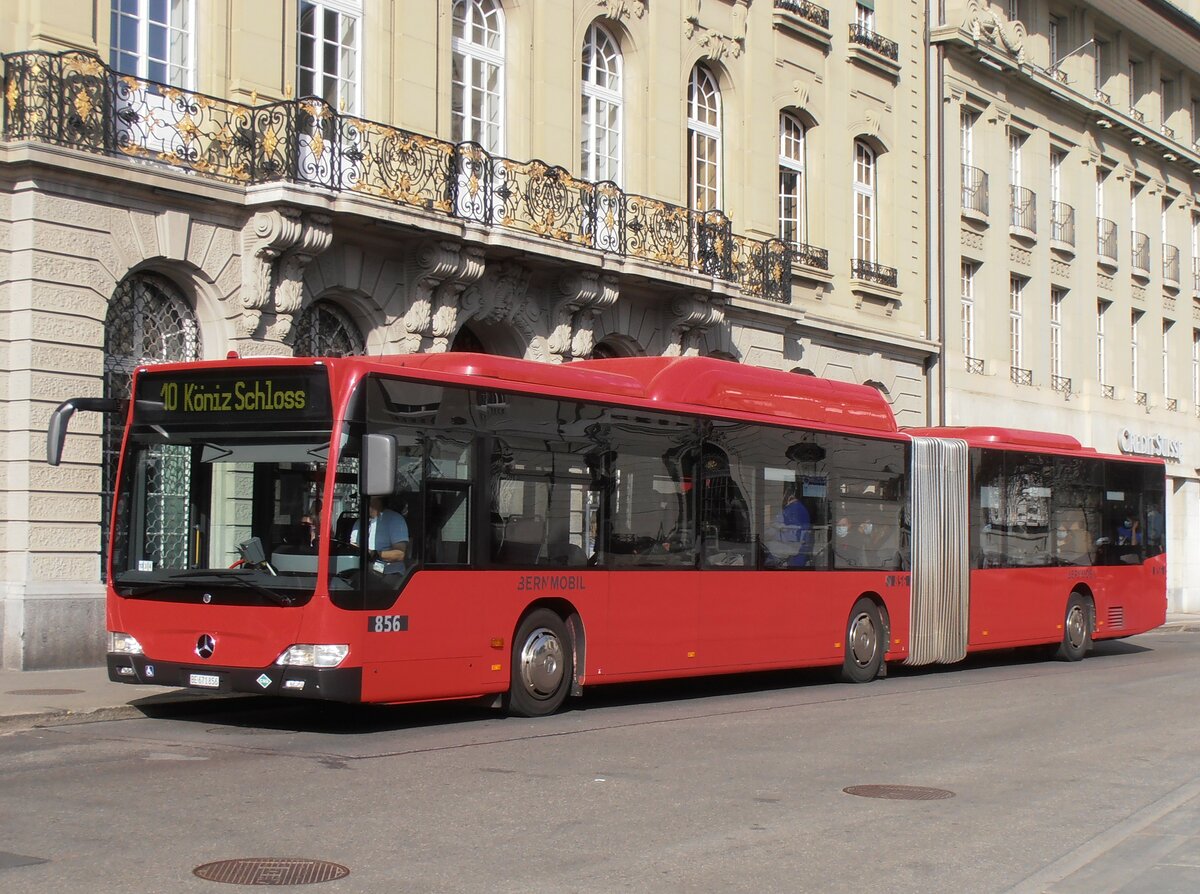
(176, 707)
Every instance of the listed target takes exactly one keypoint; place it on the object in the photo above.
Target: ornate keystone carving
(717, 45)
(623, 9)
(984, 23)
(584, 295)
(441, 271)
(694, 315)
(277, 246)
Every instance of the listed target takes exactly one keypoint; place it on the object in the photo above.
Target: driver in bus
(387, 538)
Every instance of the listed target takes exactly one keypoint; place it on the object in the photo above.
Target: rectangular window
(327, 52)
(1134, 75)
(1166, 357)
(1015, 142)
(1057, 157)
(967, 136)
(152, 39)
(1196, 367)
(1135, 319)
(1166, 100)
(1100, 57)
(1101, 366)
(1056, 31)
(968, 308)
(1056, 347)
(864, 17)
(1016, 288)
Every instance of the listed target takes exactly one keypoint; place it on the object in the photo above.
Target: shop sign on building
(1169, 449)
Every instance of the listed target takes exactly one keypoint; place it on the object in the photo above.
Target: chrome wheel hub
(542, 663)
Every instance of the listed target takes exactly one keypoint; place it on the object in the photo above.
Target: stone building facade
(1069, 231)
(735, 178)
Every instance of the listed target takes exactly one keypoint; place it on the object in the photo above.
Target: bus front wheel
(1077, 629)
(542, 665)
(864, 643)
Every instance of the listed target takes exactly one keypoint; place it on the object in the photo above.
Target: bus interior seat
(522, 540)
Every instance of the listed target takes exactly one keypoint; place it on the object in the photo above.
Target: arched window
(600, 127)
(792, 187)
(324, 330)
(477, 60)
(704, 141)
(864, 202)
(148, 321)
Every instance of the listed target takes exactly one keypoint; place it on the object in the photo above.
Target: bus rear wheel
(1077, 629)
(864, 643)
(542, 665)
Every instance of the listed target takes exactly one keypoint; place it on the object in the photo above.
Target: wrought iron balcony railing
(1137, 115)
(818, 15)
(861, 34)
(1168, 132)
(872, 272)
(1106, 240)
(1108, 392)
(1172, 404)
(1103, 97)
(975, 365)
(1020, 376)
(810, 256)
(1062, 223)
(1141, 398)
(1024, 209)
(73, 99)
(1170, 264)
(974, 190)
(1141, 252)
(1061, 384)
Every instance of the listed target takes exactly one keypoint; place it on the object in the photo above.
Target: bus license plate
(207, 681)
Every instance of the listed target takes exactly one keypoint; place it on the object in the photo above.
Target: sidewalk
(30, 699)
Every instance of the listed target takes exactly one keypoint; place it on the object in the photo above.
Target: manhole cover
(899, 792)
(267, 871)
(44, 692)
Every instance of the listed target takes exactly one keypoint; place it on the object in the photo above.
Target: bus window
(868, 527)
(1011, 502)
(1123, 518)
(1075, 509)
(1155, 525)
(726, 494)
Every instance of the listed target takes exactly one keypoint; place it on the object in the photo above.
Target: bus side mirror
(57, 432)
(379, 465)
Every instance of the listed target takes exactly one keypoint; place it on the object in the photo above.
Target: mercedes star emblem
(205, 646)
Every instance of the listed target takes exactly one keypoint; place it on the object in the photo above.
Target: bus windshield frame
(222, 485)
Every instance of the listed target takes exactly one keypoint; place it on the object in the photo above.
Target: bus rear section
(1047, 543)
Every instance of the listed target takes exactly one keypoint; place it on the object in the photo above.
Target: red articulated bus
(531, 529)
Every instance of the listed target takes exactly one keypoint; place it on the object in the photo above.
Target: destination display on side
(245, 394)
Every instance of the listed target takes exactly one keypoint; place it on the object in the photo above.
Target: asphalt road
(727, 785)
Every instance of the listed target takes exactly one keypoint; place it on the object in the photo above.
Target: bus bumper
(335, 684)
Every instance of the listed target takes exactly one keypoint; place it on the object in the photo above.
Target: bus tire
(864, 643)
(542, 666)
(1077, 629)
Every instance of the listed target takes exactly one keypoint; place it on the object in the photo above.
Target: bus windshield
(222, 485)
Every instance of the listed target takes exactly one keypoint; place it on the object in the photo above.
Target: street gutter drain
(269, 871)
(899, 792)
(44, 692)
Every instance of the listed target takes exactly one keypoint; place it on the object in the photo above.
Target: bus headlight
(309, 655)
(123, 643)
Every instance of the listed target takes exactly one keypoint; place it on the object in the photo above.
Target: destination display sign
(281, 395)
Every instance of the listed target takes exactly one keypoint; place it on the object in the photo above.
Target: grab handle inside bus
(57, 433)
(379, 465)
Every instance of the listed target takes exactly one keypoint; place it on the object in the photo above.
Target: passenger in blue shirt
(387, 538)
(796, 527)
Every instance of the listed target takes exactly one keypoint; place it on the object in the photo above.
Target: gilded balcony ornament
(83, 104)
(11, 95)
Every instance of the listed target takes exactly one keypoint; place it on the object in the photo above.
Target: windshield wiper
(208, 575)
